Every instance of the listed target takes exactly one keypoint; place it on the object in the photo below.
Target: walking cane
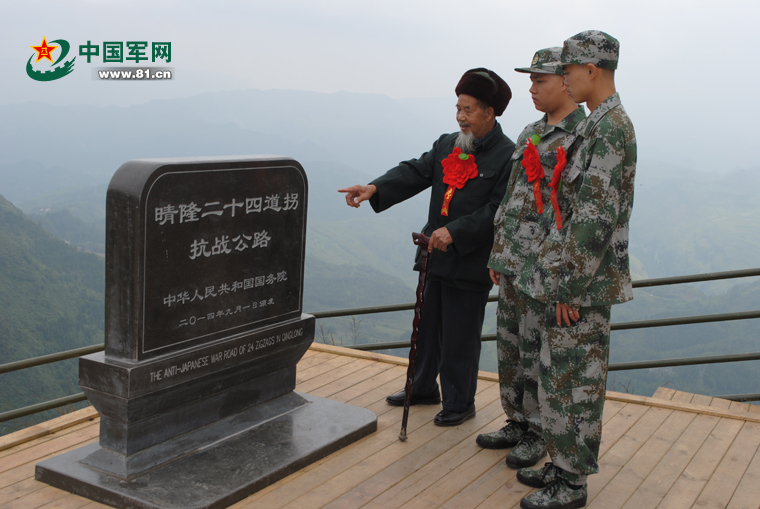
(421, 240)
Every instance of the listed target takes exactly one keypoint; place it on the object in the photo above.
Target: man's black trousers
(449, 343)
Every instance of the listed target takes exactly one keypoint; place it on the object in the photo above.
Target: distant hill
(336, 233)
(84, 144)
(369, 132)
(683, 222)
(690, 223)
(718, 338)
(51, 299)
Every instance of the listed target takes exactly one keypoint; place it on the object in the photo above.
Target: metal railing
(47, 359)
(644, 283)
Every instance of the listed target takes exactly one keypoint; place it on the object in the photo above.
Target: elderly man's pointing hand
(357, 194)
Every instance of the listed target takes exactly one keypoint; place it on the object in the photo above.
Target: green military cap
(591, 47)
(545, 61)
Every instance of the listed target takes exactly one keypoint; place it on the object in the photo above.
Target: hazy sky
(688, 72)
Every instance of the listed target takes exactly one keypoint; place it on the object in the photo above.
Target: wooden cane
(421, 240)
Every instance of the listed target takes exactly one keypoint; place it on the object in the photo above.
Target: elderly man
(543, 147)
(579, 272)
(468, 173)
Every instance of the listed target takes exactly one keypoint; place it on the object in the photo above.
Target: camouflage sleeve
(595, 213)
(523, 138)
(474, 230)
(519, 148)
(514, 167)
(499, 235)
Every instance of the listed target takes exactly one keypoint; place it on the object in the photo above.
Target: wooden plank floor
(671, 450)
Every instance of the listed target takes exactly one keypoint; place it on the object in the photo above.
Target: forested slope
(51, 299)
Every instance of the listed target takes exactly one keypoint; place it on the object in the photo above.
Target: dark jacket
(471, 210)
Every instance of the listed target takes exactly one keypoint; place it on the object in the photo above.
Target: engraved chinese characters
(221, 257)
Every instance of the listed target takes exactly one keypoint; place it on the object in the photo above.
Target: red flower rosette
(535, 171)
(458, 168)
(556, 182)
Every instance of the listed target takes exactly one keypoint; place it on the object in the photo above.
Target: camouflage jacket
(586, 262)
(517, 232)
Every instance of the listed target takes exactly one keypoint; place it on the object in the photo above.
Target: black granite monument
(204, 291)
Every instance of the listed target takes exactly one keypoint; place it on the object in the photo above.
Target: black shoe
(449, 418)
(528, 451)
(558, 494)
(417, 399)
(538, 478)
(508, 436)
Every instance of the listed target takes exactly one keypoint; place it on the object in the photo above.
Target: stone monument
(204, 328)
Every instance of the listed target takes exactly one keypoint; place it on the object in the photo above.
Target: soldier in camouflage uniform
(579, 272)
(517, 233)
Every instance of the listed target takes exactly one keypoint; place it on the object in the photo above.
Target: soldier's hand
(495, 276)
(566, 313)
(357, 194)
(440, 239)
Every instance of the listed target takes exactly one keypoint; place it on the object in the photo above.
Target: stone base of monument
(256, 450)
(203, 427)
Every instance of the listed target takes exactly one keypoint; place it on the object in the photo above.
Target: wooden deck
(672, 450)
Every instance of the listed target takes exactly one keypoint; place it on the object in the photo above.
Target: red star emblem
(43, 51)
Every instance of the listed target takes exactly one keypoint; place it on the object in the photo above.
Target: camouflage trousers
(519, 321)
(571, 389)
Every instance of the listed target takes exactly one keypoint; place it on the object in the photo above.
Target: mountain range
(51, 300)
(57, 161)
